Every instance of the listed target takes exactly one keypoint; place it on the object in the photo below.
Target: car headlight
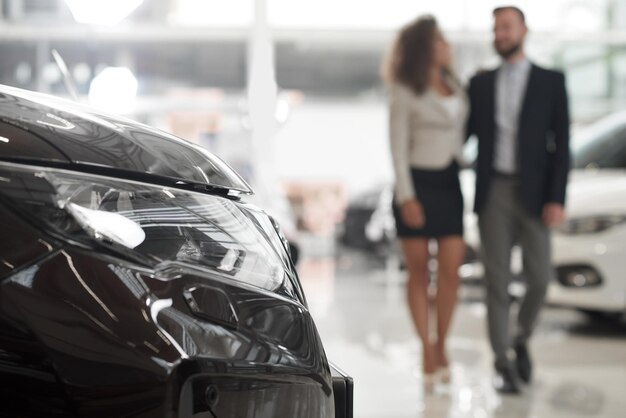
(591, 224)
(153, 225)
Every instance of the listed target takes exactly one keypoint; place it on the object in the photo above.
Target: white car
(590, 247)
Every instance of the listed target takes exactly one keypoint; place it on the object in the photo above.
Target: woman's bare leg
(416, 260)
(451, 251)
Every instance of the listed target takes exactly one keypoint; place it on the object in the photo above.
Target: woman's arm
(399, 141)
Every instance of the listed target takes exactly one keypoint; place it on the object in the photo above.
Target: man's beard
(507, 53)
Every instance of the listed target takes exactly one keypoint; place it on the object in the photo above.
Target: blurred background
(288, 93)
(184, 65)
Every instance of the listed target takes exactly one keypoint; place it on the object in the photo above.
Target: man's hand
(553, 214)
(413, 213)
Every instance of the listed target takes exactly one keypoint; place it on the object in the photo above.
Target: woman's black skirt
(439, 192)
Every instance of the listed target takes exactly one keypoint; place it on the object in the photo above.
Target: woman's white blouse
(426, 131)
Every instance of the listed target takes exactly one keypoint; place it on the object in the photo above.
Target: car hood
(596, 192)
(48, 129)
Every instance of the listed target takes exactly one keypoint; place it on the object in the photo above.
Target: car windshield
(602, 145)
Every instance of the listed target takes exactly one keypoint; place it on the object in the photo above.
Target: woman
(427, 112)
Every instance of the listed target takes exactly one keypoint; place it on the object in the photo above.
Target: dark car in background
(136, 281)
(369, 227)
(368, 224)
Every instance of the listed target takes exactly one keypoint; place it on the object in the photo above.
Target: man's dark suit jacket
(543, 137)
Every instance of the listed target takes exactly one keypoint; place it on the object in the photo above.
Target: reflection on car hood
(596, 192)
(46, 128)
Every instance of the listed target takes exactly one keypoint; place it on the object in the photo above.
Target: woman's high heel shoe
(444, 375)
(430, 381)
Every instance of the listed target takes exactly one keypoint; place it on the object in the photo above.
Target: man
(519, 112)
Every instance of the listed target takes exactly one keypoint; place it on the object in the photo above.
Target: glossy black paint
(89, 332)
(343, 389)
(120, 341)
(46, 129)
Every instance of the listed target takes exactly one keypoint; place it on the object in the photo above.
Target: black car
(135, 281)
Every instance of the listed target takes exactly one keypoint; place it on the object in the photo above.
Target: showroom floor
(360, 312)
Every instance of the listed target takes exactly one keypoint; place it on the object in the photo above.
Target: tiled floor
(361, 314)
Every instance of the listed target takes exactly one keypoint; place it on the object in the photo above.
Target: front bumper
(86, 334)
(585, 256)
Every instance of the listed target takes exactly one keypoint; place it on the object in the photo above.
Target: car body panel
(594, 192)
(84, 137)
(120, 348)
(605, 254)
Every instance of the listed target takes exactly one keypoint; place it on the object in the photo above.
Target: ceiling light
(102, 12)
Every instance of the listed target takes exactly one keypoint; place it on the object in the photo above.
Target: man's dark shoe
(523, 362)
(506, 381)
